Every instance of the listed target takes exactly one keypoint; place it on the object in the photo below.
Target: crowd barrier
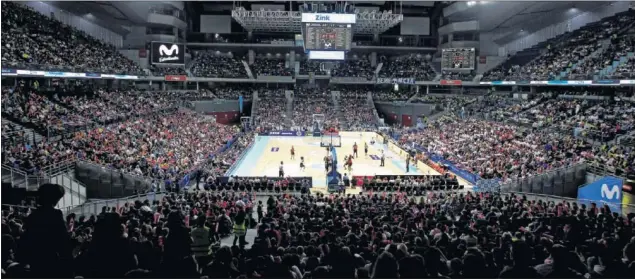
(561, 182)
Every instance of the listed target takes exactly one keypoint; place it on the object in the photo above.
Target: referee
(383, 158)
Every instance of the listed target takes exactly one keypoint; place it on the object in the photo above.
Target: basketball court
(266, 154)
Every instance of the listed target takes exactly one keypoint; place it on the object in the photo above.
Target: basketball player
(350, 163)
(302, 167)
(281, 170)
(408, 163)
(366, 149)
(326, 163)
(383, 158)
(355, 150)
(292, 153)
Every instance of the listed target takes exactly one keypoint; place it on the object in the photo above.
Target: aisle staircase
(335, 98)
(288, 119)
(249, 73)
(604, 46)
(30, 136)
(610, 69)
(61, 174)
(379, 66)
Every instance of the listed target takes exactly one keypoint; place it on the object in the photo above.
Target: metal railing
(95, 206)
(21, 179)
(596, 168)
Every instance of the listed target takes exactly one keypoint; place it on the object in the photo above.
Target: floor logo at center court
(374, 157)
(275, 149)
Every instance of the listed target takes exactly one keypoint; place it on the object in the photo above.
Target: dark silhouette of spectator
(558, 265)
(45, 242)
(386, 266)
(521, 256)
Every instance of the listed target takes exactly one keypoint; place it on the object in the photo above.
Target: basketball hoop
(327, 66)
(319, 119)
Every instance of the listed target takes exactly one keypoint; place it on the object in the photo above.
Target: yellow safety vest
(240, 229)
(200, 241)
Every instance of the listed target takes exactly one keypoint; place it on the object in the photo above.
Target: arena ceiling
(511, 20)
(116, 16)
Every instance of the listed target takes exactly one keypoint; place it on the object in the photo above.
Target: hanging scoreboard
(327, 34)
(458, 59)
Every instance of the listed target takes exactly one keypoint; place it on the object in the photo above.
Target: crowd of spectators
(159, 146)
(106, 107)
(552, 111)
(603, 121)
(495, 150)
(270, 67)
(37, 111)
(500, 107)
(167, 71)
(447, 75)
(354, 68)
(14, 134)
(564, 54)
(215, 65)
(457, 235)
(391, 95)
(355, 111)
(233, 92)
(271, 111)
(407, 67)
(307, 102)
(35, 41)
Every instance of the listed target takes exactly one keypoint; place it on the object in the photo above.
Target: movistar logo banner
(612, 193)
(168, 54)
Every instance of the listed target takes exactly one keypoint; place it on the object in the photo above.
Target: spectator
(217, 65)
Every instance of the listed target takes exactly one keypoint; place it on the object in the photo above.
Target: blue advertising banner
(9, 72)
(283, 134)
(240, 103)
(608, 81)
(93, 75)
(557, 82)
(606, 190)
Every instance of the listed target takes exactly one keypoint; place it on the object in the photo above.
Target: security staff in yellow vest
(201, 241)
(240, 224)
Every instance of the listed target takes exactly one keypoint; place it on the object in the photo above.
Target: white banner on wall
(221, 24)
(415, 26)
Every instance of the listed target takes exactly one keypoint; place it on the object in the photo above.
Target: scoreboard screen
(327, 36)
(458, 59)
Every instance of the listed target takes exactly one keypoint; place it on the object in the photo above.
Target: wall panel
(415, 26)
(100, 33)
(216, 24)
